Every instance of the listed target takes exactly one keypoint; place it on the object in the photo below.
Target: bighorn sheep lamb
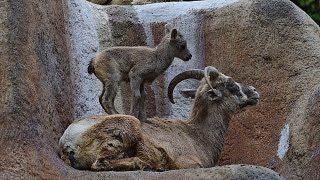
(121, 142)
(138, 65)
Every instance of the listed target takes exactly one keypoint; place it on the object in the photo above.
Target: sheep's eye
(183, 47)
(233, 88)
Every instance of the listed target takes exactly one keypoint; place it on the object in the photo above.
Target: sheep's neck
(211, 127)
(165, 53)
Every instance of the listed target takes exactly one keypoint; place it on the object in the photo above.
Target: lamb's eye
(183, 47)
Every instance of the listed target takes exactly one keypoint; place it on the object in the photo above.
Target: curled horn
(197, 74)
(212, 72)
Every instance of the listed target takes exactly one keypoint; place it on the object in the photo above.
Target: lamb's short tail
(90, 67)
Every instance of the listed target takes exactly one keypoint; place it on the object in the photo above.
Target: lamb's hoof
(148, 169)
(162, 170)
(155, 170)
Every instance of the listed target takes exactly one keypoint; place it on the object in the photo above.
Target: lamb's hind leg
(126, 164)
(108, 96)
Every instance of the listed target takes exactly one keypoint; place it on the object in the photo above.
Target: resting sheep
(138, 65)
(121, 142)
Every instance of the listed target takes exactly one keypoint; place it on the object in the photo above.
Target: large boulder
(273, 45)
(127, 2)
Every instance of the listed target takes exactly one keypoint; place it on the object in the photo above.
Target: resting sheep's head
(215, 87)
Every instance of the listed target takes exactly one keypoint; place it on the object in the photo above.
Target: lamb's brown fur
(161, 144)
(138, 65)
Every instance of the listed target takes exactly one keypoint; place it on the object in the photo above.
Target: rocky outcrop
(45, 47)
(275, 46)
(36, 101)
(220, 172)
(128, 2)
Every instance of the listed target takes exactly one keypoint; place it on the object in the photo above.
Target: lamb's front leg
(135, 84)
(141, 115)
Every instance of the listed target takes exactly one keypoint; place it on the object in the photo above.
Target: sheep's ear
(174, 33)
(188, 93)
(214, 94)
(167, 28)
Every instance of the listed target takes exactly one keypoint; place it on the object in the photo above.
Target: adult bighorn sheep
(138, 65)
(121, 142)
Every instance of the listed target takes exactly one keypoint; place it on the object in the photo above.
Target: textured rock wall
(274, 46)
(36, 101)
(84, 44)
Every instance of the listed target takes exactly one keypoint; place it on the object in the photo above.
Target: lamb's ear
(167, 28)
(188, 93)
(214, 94)
(174, 33)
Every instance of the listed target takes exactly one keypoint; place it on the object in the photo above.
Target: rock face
(45, 48)
(127, 2)
(35, 102)
(275, 47)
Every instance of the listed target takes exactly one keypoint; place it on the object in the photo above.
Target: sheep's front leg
(126, 164)
(188, 161)
(135, 84)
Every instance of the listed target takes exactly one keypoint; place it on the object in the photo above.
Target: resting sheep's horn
(197, 74)
(212, 72)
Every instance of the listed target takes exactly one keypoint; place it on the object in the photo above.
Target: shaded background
(312, 7)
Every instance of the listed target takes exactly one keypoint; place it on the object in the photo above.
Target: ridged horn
(197, 74)
(212, 72)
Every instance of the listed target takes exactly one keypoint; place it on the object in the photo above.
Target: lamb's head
(216, 88)
(178, 44)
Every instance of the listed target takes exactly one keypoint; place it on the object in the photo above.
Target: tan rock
(275, 46)
(128, 2)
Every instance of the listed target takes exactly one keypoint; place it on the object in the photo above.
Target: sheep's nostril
(190, 56)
